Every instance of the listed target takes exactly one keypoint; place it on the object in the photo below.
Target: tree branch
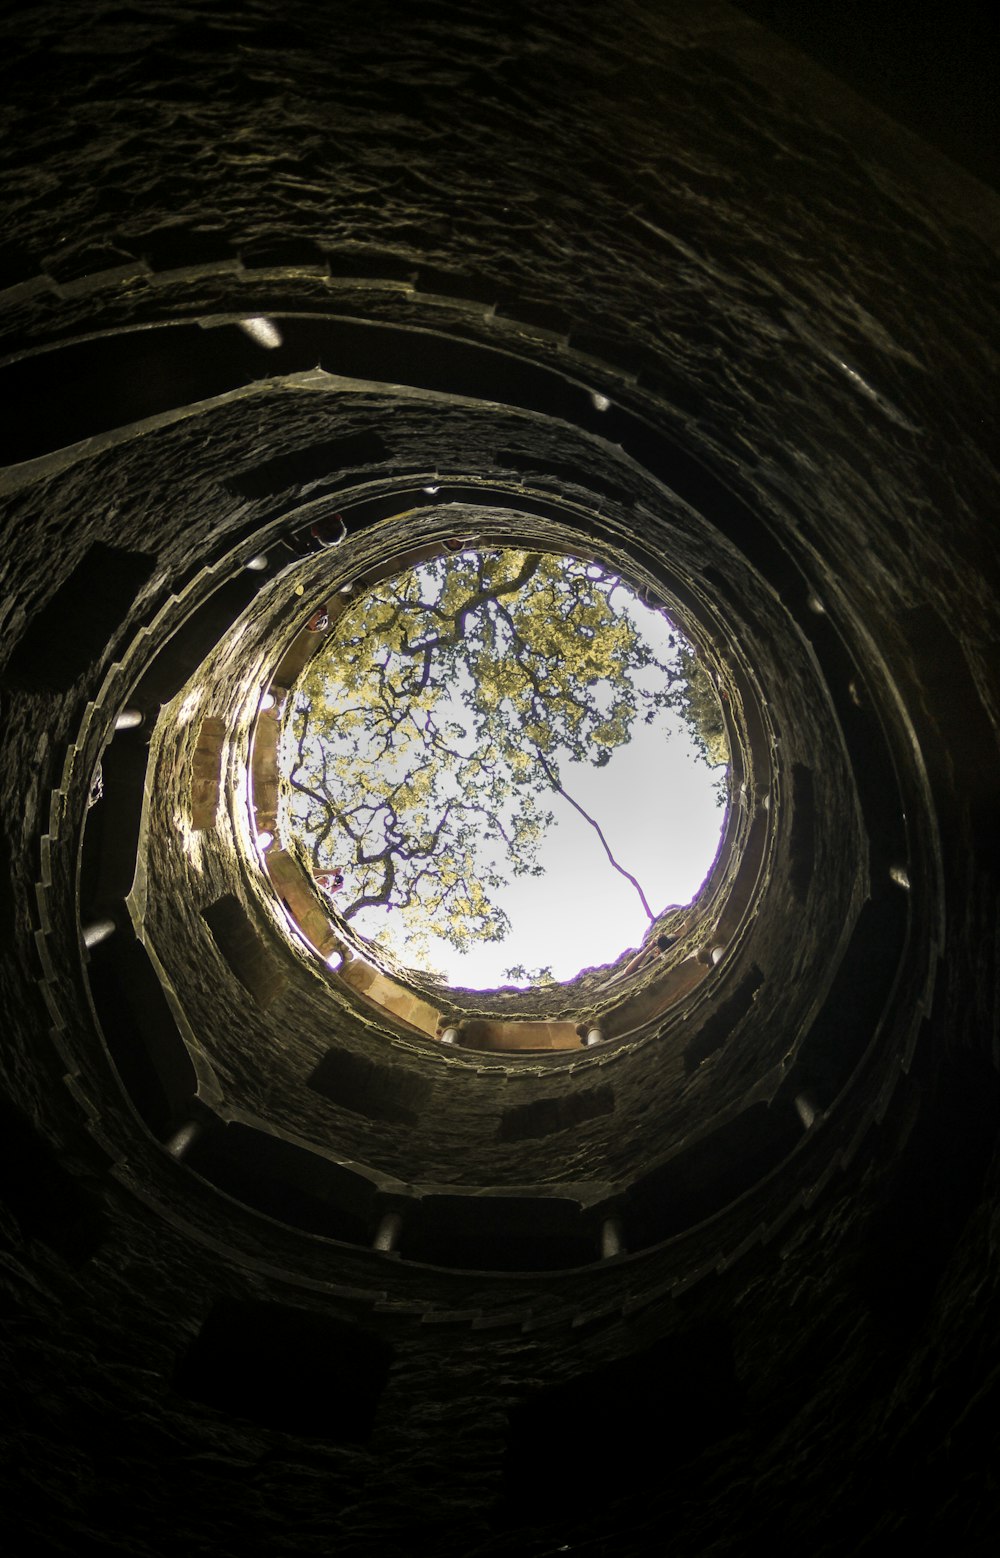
(527, 570)
(553, 779)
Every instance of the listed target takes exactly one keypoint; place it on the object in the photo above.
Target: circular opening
(502, 766)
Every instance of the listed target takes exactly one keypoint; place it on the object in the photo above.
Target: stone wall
(467, 228)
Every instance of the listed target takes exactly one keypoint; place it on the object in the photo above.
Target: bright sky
(657, 803)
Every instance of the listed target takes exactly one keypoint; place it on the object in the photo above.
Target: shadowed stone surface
(466, 226)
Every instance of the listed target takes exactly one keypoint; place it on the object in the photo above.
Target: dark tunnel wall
(725, 1283)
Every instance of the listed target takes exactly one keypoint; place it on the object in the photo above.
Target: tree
(701, 710)
(425, 740)
(521, 974)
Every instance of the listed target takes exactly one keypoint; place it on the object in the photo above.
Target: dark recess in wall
(140, 1032)
(712, 1171)
(720, 1025)
(878, 795)
(849, 1018)
(319, 462)
(364, 1087)
(80, 620)
(966, 742)
(48, 1201)
(545, 1115)
(560, 477)
(645, 1417)
(243, 950)
(802, 844)
(285, 1181)
(498, 1233)
(939, 1180)
(8, 901)
(197, 636)
(107, 867)
(288, 1369)
(931, 68)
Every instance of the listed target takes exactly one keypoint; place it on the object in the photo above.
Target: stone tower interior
(288, 1268)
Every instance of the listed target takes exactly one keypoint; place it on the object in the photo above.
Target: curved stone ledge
(658, 282)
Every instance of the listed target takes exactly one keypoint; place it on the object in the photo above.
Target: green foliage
(530, 976)
(701, 710)
(425, 740)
